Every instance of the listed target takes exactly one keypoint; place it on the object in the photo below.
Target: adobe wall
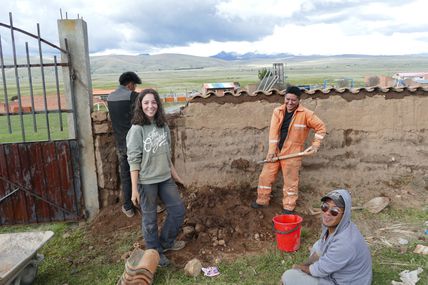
(376, 143)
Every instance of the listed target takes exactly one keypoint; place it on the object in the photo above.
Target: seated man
(341, 255)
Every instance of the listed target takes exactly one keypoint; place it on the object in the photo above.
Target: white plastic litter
(408, 277)
(210, 271)
(403, 241)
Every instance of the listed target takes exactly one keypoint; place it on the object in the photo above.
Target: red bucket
(287, 229)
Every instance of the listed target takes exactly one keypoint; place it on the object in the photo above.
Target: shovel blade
(376, 204)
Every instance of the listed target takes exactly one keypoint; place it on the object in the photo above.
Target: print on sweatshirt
(154, 140)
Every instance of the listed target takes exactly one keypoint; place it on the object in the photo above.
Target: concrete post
(76, 33)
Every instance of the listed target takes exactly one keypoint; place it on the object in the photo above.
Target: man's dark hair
(140, 118)
(129, 77)
(294, 90)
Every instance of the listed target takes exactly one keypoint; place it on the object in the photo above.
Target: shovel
(292, 155)
(374, 206)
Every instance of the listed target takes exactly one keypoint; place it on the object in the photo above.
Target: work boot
(178, 244)
(163, 260)
(254, 205)
(129, 213)
(287, 212)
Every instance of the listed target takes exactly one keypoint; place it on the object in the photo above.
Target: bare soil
(219, 225)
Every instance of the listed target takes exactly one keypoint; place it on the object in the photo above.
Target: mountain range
(249, 55)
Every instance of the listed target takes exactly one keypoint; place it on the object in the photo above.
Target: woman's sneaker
(163, 260)
(129, 213)
(178, 244)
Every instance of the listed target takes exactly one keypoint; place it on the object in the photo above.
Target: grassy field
(40, 134)
(72, 258)
(299, 71)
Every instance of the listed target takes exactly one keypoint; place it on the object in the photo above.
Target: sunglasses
(334, 211)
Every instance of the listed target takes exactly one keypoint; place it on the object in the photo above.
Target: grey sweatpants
(298, 277)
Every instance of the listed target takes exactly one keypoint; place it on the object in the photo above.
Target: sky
(207, 27)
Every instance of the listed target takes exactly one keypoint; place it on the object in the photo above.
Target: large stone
(103, 128)
(193, 267)
(99, 116)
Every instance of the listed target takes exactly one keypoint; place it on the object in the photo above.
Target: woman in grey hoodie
(341, 255)
(153, 175)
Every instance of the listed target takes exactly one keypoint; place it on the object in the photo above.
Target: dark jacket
(121, 104)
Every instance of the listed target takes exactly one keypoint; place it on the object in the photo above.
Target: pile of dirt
(219, 225)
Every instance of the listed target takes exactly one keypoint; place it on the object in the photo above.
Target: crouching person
(341, 255)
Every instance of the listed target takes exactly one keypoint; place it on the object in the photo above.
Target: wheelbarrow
(19, 259)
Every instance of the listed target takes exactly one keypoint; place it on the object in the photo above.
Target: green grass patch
(31, 134)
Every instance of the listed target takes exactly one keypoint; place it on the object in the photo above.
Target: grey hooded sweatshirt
(344, 256)
(149, 152)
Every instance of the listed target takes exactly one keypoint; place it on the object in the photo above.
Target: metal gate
(39, 158)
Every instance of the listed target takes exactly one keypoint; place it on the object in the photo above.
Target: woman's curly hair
(140, 118)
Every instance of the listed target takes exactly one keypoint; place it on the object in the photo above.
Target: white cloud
(207, 27)
(250, 9)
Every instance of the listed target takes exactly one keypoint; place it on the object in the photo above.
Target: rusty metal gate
(39, 158)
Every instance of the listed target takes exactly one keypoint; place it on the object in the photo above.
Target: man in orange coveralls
(288, 131)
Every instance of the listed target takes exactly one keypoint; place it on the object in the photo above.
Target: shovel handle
(275, 159)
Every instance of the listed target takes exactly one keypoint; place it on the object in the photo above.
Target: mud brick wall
(377, 143)
(106, 159)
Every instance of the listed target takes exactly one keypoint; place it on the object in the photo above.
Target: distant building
(410, 78)
(220, 88)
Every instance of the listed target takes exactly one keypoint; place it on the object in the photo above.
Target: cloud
(208, 27)
(171, 23)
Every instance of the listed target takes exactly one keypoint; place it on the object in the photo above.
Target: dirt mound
(219, 225)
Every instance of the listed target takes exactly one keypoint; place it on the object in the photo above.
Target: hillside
(120, 63)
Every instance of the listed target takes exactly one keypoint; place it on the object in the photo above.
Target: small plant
(262, 73)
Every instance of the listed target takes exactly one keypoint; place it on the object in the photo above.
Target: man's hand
(311, 150)
(270, 157)
(304, 268)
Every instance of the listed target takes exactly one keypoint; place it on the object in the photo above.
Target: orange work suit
(303, 120)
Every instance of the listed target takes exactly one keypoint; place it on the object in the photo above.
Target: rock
(193, 267)
(213, 232)
(221, 242)
(188, 231)
(209, 222)
(99, 116)
(220, 234)
(203, 237)
(199, 228)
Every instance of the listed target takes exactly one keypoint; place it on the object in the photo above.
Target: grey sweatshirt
(148, 149)
(345, 256)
